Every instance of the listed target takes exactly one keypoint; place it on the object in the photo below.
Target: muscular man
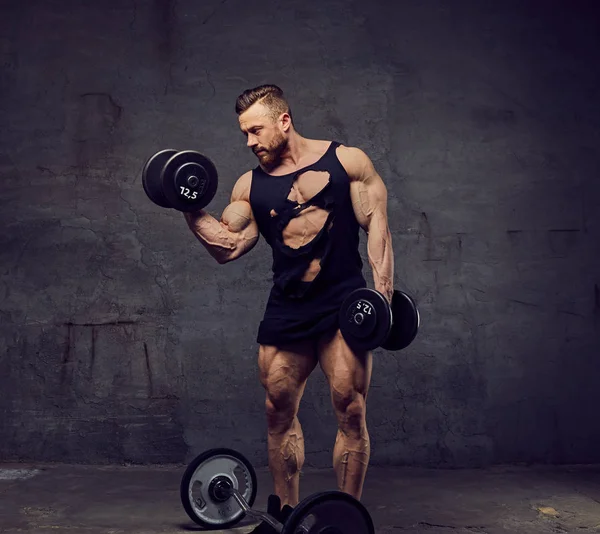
(308, 198)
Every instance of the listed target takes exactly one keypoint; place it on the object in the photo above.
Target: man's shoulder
(241, 189)
(350, 151)
(353, 159)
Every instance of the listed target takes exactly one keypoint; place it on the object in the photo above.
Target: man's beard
(271, 156)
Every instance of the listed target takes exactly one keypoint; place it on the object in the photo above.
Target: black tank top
(337, 243)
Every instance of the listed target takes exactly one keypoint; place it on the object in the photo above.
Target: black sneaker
(285, 513)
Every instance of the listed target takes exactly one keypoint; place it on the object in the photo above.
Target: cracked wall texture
(121, 340)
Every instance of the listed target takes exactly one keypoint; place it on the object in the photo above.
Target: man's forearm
(381, 255)
(214, 235)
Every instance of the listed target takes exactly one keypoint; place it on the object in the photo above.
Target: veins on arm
(369, 201)
(235, 233)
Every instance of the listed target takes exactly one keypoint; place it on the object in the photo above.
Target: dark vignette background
(121, 340)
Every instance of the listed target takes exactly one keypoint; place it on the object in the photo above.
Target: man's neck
(296, 148)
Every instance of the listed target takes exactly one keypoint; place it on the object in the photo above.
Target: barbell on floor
(219, 487)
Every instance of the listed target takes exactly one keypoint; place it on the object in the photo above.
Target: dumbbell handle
(263, 516)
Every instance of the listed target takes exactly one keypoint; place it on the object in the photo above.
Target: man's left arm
(369, 200)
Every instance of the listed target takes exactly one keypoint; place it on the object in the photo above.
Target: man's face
(266, 138)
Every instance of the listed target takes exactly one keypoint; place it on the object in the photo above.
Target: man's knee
(279, 409)
(281, 404)
(350, 407)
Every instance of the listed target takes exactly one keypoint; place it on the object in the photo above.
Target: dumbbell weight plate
(189, 181)
(201, 503)
(365, 319)
(152, 177)
(405, 322)
(331, 512)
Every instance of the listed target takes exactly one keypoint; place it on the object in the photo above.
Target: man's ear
(286, 121)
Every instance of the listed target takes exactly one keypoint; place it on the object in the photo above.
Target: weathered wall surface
(121, 340)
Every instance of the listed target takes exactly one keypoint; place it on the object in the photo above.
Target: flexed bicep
(235, 234)
(237, 217)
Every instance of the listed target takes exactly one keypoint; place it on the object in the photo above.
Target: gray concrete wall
(121, 340)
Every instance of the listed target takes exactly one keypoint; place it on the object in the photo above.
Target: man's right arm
(236, 233)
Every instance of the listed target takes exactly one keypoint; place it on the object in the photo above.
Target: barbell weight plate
(365, 319)
(202, 503)
(189, 181)
(405, 322)
(152, 177)
(331, 512)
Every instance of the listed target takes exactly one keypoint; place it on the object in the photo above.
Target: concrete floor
(45, 499)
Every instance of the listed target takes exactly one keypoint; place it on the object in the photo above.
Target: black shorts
(289, 320)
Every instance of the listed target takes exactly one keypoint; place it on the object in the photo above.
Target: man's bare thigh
(344, 368)
(286, 366)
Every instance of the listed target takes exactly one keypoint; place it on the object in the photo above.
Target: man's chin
(264, 159)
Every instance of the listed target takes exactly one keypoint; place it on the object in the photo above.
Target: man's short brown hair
(268, 95)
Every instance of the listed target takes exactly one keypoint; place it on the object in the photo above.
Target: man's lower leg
(286, 458)
(351, 455)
